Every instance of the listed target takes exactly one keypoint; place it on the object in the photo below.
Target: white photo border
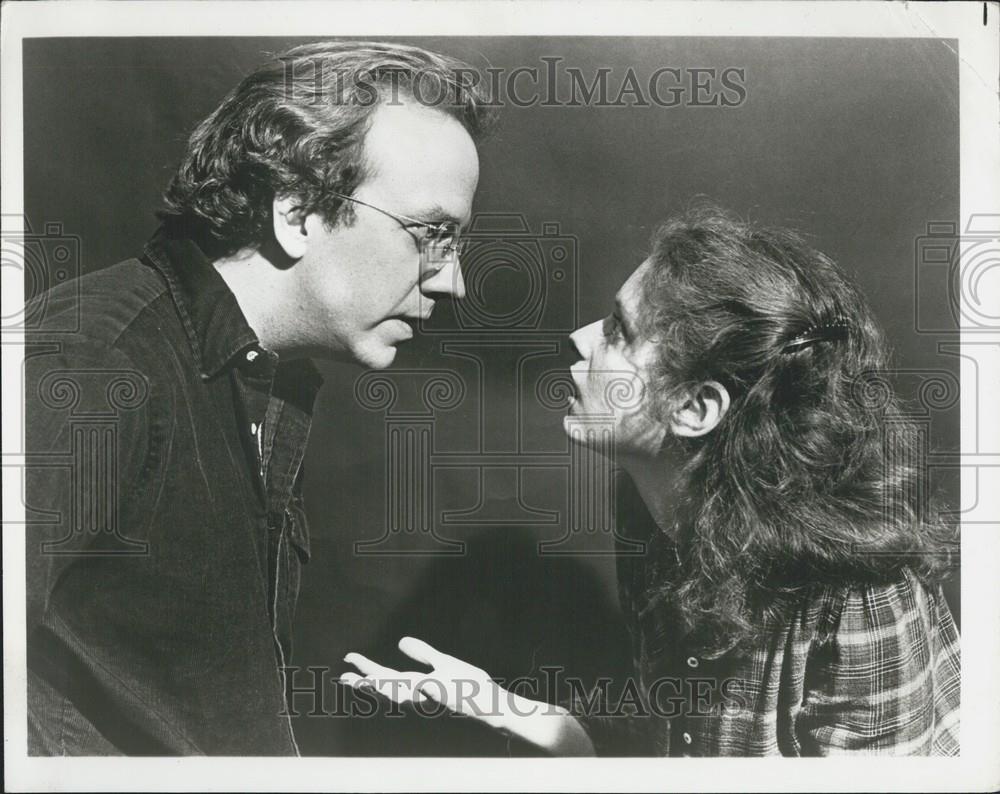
(975, 28)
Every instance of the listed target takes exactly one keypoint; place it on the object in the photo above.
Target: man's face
(612, 378)
(361, 286)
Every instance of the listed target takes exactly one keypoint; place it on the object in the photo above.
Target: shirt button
(686, 737)
(252, 356)
(692, 661)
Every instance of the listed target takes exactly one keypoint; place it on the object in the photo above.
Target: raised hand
(466, 689)
(457, 685)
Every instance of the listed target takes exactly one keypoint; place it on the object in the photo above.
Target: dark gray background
(853, 141)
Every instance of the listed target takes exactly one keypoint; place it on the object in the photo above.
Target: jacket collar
(216, 327)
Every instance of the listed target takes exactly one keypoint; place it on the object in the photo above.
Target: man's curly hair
(296, 127)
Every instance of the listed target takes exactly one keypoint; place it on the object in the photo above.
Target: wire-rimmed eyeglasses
(441, 245)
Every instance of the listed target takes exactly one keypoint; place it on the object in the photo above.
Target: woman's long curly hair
(812, 476)
(296, 127)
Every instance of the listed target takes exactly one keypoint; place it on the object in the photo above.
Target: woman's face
(612, 404)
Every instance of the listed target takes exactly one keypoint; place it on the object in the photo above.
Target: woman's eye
(612, 327)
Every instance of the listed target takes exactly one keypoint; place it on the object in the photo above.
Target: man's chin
(378, 349)
(379, 357)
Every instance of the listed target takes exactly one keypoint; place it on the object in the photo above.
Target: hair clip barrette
(833, 331)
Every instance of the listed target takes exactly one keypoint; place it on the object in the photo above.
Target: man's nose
(446, 281)
(582, 339)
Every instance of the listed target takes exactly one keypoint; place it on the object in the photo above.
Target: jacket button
(252, 356)
(692, 661)
(686, 737)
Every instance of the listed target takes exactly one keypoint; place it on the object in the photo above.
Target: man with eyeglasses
(316, 213)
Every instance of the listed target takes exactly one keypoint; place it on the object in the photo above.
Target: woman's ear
(290, 226)
(701, 412)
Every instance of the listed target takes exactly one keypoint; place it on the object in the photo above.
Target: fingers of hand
(455, 684)
(368, 667)
(423, 652)
(397, 686)
(443, 664)
(399, 689)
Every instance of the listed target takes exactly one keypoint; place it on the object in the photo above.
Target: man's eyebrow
(436, 214)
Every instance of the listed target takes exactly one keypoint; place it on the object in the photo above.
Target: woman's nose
(583, 338)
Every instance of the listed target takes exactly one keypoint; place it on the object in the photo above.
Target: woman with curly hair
(792, 563)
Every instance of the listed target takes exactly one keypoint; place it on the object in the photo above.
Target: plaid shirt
(866, 669)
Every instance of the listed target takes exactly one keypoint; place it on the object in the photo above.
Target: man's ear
(701, 412)
(290, 226)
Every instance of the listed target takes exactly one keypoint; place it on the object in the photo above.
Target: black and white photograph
(501, 396)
